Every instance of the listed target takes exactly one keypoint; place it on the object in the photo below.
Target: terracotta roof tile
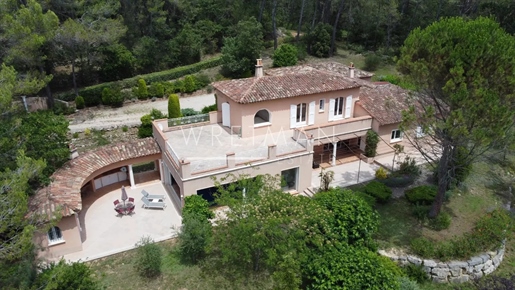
(64, 191)
(284, 83)
(342, 69)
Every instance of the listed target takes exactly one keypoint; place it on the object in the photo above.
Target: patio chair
(130, 210)
(152, 196)
(116, 202)
(119, 210)
(148, 204)
(131, 199)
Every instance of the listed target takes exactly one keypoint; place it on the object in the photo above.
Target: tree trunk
(261, 10)
(300, 21)
(335, 26)
(274, 8)
(314, 14)
(50, 98)
(443, 179)
(74, 79)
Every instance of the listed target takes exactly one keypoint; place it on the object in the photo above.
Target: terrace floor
(205, 147)
(106, 233)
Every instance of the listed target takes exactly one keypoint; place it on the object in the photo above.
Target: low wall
(453, 271)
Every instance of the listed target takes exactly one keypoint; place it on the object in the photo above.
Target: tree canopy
(465, 72)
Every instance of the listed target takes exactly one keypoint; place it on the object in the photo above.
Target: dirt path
(130, 113)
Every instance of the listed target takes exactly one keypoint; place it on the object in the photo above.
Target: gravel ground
(109, 118)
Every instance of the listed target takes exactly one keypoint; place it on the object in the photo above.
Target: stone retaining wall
(453, 271)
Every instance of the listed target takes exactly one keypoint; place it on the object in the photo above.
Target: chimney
(259, 68)
(351, 70)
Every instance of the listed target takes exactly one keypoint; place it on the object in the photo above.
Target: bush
(195, 236)
(372, 140)
(370, 200)
(148, 258)
(76, 135)
(174, 106)
(189, 84)
(441, 222)
(156, 90)
(62, 275)
(141, 91)
(208, 109)
(407, 284)
(87, 131)
(79, 102)
(92, 94)
(408, 167)
(178, 86)
(285, 55)
(319, 40)
(423, 247)
(421, 212)
(396, 80)
(379, 191)
(381, 173)
(416, 273)
(372, 62)
(125, 128)
(423, 195)
(196, 205)
(395, 180)
(112, 97)
(201, 80)
(145, 130)
(189, 112)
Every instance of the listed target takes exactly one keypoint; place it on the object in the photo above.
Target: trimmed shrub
(398, 180)
(285, 55)
(372, 62)
(408, 166)
(372, 140)
(141, 91)
(441, 222)
(148, 258)
(189, 84)
(195, 204)
(201, 80)
(178, 86)
(156, 90)
(189, 112)
(174, 106)
(79, 102)
(381, 173)
(112, 97)
(422, 195)
(379, 191)
(125, 128)
(367, 198)
(208, 109)
(145, 130)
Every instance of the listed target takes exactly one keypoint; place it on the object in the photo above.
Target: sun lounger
(152, 204)
(152, 196)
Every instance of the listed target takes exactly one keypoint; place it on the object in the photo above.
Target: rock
(457, 264)
(460, 279)
(475, 261)
(478, 268)
(491, 254)
(414, 260)
(477, 275)
(455, 272)
(488, 270)
(441, 273)
(488, 264)
(439, 280)
(496, 261)
(429, 263)
(485, 257)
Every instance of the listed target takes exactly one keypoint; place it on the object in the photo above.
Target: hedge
(423, 195)
(93, 94)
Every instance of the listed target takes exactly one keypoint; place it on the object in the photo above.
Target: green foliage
(194, 237)
(148, 258)
(416, 273)
(397, 80)
(408, 167)
(174, 106)
(92, 94)
(75, 135)
(118, 63)
(156, 90)
(125, 128)
(141, 91)
(372, 140)
(319, 40)
(398, 180)
(189, 84)
(370, 200)
(189, 112)
(79, 102)
(407, 284)
(379, 191)
(201, 81)
(372, 62)
(349, 267)
(210, 108)
(421, 211)
(354, 221)
(62, 276)
(196, 205)
(441, 222)
(488, 234)
(326, 177)
(239, 53)
(112, 97)
(381, 173)
(285, 55)
(145, 129)
(422, 195)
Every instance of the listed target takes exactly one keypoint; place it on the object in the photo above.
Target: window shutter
(311, 116)
(348, 106)
(331, 109)
(293, 116)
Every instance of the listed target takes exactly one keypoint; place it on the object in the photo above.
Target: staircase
(309, 192)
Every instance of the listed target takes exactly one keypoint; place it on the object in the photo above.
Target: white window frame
(58, 236)
(264, 123)
(301, 119)
(321, 105)
(339, 108)
(396, 135)
(296, 188)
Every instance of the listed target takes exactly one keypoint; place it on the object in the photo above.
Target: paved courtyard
(347, 174)
(105, 233)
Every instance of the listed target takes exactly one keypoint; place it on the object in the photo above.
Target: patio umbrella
(124, 195)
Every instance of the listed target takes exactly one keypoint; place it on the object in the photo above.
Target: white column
(334, 153)
(161, 173)
(131, 176)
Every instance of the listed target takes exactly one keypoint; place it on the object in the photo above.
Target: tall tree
(465, 70)
(335, 28)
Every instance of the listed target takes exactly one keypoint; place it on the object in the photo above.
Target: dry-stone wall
(453, 271)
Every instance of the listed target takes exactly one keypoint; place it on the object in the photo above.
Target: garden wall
(453, 271)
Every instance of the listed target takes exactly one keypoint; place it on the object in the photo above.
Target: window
(55, 236)
(396, 135)
(321, 105)
(262, 117)
(289, 179)
(338, 107)
(301, 113)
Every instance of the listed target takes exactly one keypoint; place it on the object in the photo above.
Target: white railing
(174, 155)
(188, 120)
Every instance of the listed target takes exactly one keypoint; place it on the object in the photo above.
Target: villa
(285, 121)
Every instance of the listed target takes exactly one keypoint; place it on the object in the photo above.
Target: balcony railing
(188, 120)
(348, 126)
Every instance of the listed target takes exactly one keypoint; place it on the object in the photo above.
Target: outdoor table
(125, 208)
